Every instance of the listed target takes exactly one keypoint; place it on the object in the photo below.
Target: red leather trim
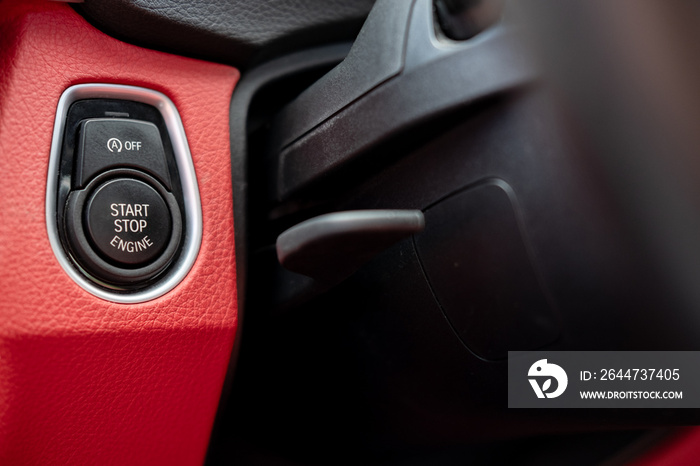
(83, 380)
(680, 449)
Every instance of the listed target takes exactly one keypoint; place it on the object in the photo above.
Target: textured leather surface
(82, 380)
(230, 31)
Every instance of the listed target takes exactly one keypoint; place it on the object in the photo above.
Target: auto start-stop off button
(128, 221)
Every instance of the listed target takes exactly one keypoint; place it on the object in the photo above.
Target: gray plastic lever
(331, 247)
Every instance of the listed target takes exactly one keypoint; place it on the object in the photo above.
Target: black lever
(331, 247)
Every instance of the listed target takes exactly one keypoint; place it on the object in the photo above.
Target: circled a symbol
(114, 144)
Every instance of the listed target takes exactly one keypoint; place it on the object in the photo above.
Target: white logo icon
(544, 369)
(114, 144)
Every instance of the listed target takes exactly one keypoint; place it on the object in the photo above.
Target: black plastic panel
(376, 56)
(373, 366)
(319, 140)
(479, 266)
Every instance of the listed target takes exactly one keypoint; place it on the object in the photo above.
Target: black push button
(107, 143)
(128, 221)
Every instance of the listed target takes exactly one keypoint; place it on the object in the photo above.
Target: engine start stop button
(128, 221)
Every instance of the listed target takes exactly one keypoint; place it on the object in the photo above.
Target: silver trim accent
(193, 207)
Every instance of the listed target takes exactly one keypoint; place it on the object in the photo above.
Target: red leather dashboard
(84, 380)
